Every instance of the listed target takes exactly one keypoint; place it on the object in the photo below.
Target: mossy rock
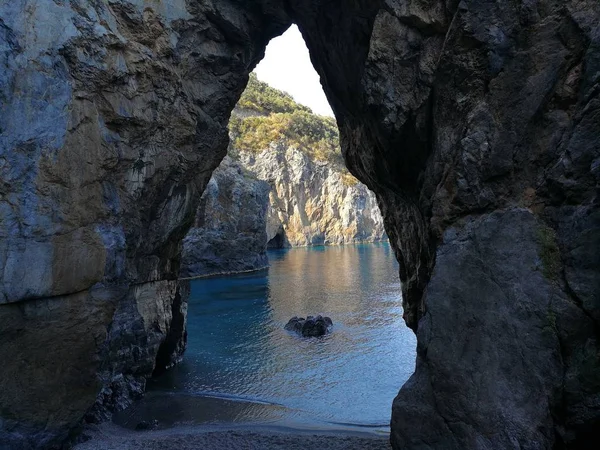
(549, 252)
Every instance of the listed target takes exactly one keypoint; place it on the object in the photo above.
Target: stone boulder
(311, 326)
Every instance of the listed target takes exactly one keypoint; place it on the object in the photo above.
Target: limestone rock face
(277, 198)
(475, 122)
(312, 203)
(113, 115)
(230, 230)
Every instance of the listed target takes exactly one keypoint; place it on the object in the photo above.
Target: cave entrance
(277, 241)
(284, 184)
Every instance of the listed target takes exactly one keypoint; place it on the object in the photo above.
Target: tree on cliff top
(264, 99)
(265, 115)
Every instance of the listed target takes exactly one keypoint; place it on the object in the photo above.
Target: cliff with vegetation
(314, 200)
(265, 115)
(311, 198)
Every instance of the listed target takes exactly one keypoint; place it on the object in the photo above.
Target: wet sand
(113, 437)
(211, 423)
(175, 409)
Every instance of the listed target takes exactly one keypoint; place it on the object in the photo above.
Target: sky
(287, 67)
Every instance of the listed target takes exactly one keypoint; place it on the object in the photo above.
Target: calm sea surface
(241, 366)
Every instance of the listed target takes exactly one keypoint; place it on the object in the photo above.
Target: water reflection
(239, 352)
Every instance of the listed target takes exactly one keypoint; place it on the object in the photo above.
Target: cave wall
(476, 123)
(113, 115)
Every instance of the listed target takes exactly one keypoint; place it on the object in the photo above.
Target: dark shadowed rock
(230, 229)
(295, 324)
(146, 425)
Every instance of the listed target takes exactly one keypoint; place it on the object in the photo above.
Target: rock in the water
(311, 326)
(295, 324)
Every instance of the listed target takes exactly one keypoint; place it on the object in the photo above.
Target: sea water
(241, 366)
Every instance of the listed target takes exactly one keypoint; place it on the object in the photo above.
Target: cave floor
(112, 437)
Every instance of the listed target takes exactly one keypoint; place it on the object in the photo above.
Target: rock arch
(476, 123)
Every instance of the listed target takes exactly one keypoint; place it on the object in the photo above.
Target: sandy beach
(113, 437)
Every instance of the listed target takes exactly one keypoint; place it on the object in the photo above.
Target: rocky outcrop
(475, 122)
(312, 202)
(312, 326)
(493, 106)
(230, 231)
(63, 361)
(517, 373)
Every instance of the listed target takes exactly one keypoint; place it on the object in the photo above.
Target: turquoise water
(241, 365)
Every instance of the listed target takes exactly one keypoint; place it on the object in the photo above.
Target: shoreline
(202, 411)
(109, 436)
(258, 269)
(222, 274)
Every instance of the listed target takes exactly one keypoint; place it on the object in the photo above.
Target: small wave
(224, 396)
(358, 425)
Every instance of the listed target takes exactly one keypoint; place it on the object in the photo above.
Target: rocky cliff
(311, 202)
(283, 185)
(113, 115)
(277, 198)
(475, 122)
(229, 233)
(314, 200)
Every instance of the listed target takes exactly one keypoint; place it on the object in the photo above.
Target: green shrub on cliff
(264, 99)
(266, 115)
(315, 135)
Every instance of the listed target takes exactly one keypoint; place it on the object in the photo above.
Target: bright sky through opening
(287, 67)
